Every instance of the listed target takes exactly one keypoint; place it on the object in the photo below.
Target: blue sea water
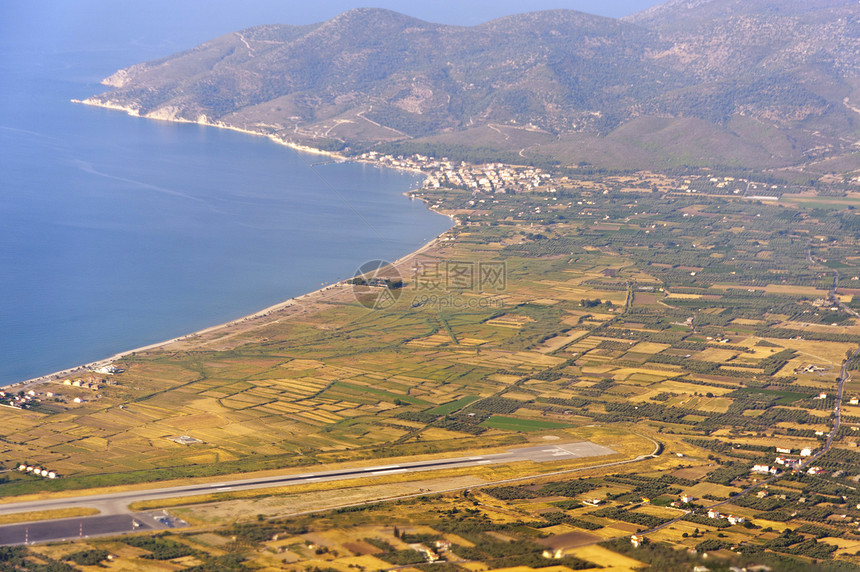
(117, 232)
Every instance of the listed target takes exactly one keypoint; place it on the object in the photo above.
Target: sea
(118, 232)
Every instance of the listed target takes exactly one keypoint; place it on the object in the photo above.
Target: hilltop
(712, 82)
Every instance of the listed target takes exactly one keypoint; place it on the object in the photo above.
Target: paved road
(837, 409)
(71, 528)
(115, 517)
(843, 377)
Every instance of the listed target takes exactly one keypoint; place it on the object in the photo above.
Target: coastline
(203, 120)
(300, 303)
(249, 321)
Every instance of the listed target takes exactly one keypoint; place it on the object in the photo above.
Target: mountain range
(760, 84)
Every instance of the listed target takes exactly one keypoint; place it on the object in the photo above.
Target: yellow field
(716, 355)
(661, 511)
(746, 322)
(655, 374)
(674, 533)
(46, 515)
(527, 569)
(510, 321)
(796, 290)
(764, 523)
(677, 296)
(340, 383)
(846, 546)
(649, 348)
(714, 405)
(827, 352)
(558, 342)
(701, 489)
(610, 560)
(681, 387)
(430, 341)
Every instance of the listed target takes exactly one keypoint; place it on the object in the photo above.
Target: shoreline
(203, 120)
(302, 299)
(319, 295)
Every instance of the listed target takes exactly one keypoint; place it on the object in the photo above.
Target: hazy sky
(198, 20)
(118, 33)
(462, 12)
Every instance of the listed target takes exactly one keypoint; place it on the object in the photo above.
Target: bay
(117, 232)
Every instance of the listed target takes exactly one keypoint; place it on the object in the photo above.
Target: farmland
(626, 315)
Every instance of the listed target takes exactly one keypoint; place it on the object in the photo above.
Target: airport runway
(70, 528)
(115, 518)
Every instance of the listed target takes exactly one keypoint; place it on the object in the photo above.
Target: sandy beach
(218, 124)
(302, 305)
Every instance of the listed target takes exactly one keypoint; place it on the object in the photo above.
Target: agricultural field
(516, 526)
(703, 323)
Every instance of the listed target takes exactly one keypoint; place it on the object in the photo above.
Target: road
(843, 375)
(116, 504)
(837, 409)
(71, 528)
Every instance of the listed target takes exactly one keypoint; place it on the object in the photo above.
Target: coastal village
(683, 501)
(38, 395)
(628, 338)
(489, 178)
(502, 178)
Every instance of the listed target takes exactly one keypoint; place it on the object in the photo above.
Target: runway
(115, 518)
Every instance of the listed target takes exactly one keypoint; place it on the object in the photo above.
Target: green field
(515, 424)
(779, 397)
(452, 406)
(714, 362)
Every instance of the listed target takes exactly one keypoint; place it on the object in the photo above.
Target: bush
(87, 557)
(160, 548)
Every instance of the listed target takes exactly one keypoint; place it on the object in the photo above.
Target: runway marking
(382, 468)
(389, 471)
